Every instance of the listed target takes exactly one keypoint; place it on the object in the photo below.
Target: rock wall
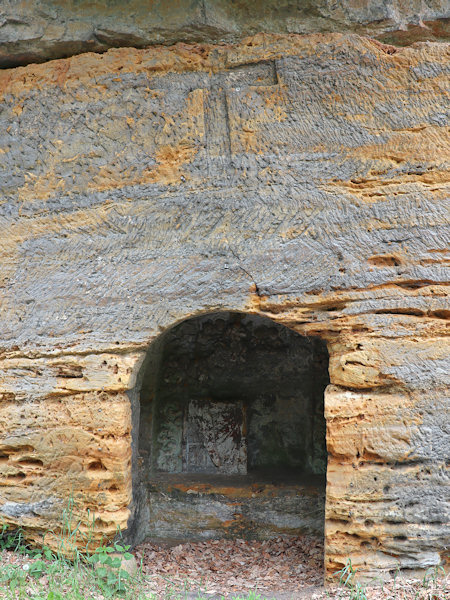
(302, 178)
(39, 30)
(186, 508)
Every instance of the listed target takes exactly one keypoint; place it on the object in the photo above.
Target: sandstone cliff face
(300, 178)
(39, 30)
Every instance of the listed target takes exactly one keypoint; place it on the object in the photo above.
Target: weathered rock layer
(39, 30)
(300, 178)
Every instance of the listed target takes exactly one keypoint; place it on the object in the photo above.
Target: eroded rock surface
(300, 178)
(39, 30)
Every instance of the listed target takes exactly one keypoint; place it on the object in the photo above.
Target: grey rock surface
(39, 30)
(134, 197)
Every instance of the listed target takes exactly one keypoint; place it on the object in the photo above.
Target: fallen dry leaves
(284, 569)
(289, 563)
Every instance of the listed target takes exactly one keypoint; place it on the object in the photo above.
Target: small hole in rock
(16, 477)
(31, 462)
(96, 466)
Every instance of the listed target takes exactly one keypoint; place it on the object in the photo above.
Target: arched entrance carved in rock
(231, 438)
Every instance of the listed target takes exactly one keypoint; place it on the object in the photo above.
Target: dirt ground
(281, 569)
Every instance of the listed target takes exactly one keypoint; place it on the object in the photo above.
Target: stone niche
(232, 430)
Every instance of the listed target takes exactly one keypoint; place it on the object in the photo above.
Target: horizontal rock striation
(40, 30)
(304, 179)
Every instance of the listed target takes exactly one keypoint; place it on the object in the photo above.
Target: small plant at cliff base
(113, 578)
(106, 560)
(11, 539)
(347, 579)
(51, 575)
(432, 575)
(430, 581)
